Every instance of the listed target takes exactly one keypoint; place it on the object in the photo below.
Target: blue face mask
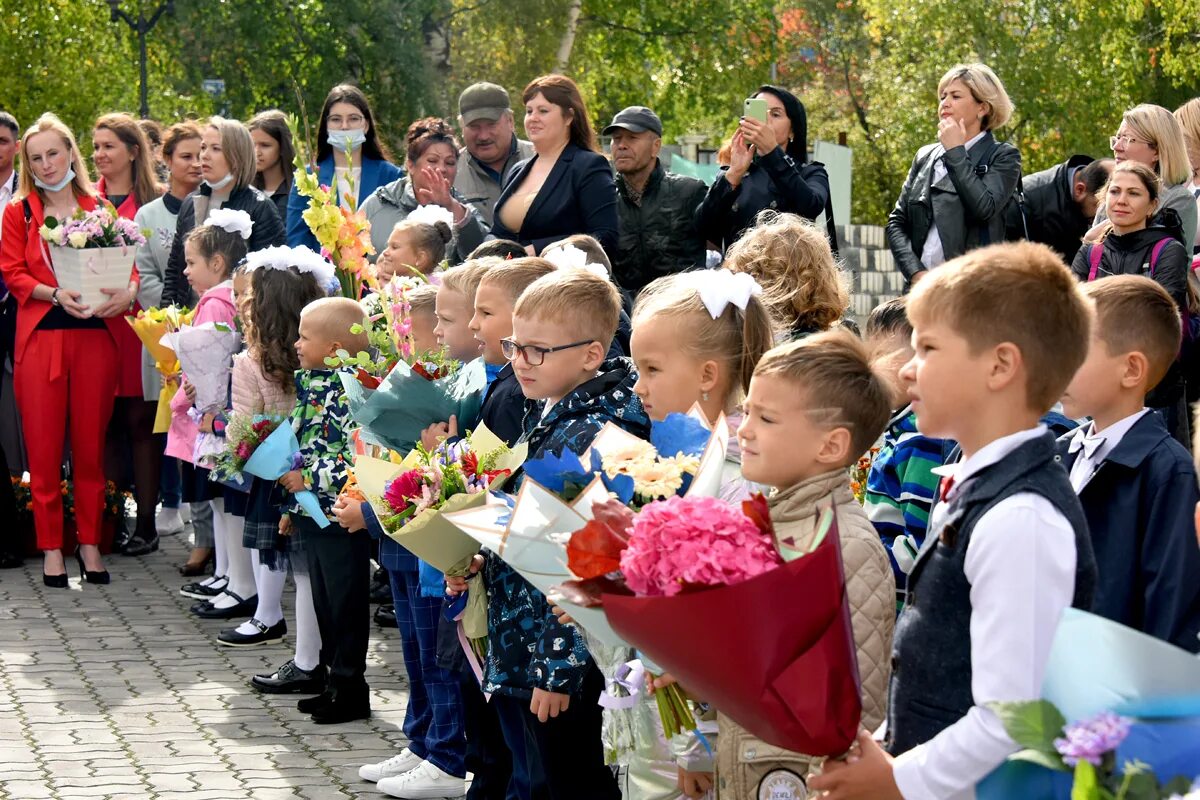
(341, 140)
(221, 184)
(45, 187)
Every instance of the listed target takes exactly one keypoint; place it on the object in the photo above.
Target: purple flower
(1090, 739)
(297, 461)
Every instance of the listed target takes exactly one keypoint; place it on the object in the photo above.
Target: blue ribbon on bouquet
(274, 458)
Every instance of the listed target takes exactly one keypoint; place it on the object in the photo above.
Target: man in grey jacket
(492, 148)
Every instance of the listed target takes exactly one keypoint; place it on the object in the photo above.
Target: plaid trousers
(433, 722)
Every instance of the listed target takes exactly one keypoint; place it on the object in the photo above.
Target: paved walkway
(117, 691)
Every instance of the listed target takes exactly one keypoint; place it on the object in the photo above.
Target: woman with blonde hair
(65, 359)
(954, 197)
(1188, 116)
(1151, 135)
(229, 166)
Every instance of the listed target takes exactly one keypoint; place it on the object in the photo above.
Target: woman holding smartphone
(767, 170)
(958, 187)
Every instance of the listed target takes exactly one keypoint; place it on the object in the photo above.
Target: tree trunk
(568, 40)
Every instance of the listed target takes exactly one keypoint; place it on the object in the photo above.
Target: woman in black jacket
(1140, 243)
(767, 169)
(567, 187)
(228, 164)
(954, 197)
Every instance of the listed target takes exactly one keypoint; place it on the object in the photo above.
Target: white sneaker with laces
(396, 765)
(169, 521)
(425, 782)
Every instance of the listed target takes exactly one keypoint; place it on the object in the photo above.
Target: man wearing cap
(655, 207)
(492, 148)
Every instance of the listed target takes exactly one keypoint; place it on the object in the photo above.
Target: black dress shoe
(381, 592)
(290, 679)
(385, 616)
(242, 608)
(342, 710)
(10, 560)
(100, 577)
(263, 634)
(311, 705)
(140, 546)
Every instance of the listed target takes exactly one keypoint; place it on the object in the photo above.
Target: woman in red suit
(125, 164)
(66, 352)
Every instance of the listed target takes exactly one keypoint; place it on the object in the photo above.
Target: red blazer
(129, 206)
(23, 264)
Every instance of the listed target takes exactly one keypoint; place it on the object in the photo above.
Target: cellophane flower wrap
(341, 228)
(92, 251)
(151, 325)
(243, 435)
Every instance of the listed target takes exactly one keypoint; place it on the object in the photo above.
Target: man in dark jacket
(656, 208)
(491, 149)
(1059, 204)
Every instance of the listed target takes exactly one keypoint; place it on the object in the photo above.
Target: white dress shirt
(932, 254)
(1021, 566)
(1086, 464)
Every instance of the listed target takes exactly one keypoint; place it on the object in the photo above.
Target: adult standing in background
(181, 152)
(127, 179)
(1151, 135)
(958, 187)
(346, 124)
(1188, 116)
(767, 169)
(228, 165)
(11, 549)
(154, 135)
(1059, 204)
(491, 148)
(656, 208)
(567, 187)
(273, 157)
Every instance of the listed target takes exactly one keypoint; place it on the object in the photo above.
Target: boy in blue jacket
(1136, 483)
(544, 683)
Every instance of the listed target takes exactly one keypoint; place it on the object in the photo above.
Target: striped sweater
(901, 486)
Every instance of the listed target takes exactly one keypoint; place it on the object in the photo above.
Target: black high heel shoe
(55, 581)
(99, 577)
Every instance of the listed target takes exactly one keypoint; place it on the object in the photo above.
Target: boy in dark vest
(998, 334)
(1136, 483)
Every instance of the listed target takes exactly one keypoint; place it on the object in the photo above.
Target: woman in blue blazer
(345, 119)
(567, 187)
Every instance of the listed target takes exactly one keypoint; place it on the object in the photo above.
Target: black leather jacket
(967, 204)
(657, 236)
(1051, 213)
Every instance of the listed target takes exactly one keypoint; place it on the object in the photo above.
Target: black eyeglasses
(532, 353)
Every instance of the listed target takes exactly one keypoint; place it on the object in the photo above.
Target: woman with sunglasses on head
(1151, 135)
(958, 187)
(347, 126)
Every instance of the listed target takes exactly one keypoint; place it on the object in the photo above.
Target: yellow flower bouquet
(151, 325)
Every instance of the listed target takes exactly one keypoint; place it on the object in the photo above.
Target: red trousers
(66, 380)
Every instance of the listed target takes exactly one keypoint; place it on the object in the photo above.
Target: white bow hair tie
(718, 288)
(231, 220)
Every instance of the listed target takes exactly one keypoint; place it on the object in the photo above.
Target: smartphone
(755, 108)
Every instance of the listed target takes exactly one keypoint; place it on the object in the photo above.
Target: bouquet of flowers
(91, 251)
(859, 473)
(1136, 702)
(151, 325)
(425, 484)
(275, 456)
(342, 230)
(243, 435)
(205, 353)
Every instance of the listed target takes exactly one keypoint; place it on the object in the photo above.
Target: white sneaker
(425, 782)
(396, 765)
(169, 521)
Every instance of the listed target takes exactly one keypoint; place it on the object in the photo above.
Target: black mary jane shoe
(242, 608)
(263, 634)
(99, 577)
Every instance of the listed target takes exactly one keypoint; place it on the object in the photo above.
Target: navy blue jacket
(1140, 505)
(375, 173)
(503, 408)
(528, 647)
(579, 196)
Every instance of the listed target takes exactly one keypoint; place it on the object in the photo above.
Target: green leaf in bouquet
(1041, 758)
(1033, 724)
(1086, 785)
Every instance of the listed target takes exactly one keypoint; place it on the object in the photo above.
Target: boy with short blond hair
(813, 408)
(544, 683)
(1136, 483)
(998, 334)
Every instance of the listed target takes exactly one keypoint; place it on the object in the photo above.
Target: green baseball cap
(483, 101)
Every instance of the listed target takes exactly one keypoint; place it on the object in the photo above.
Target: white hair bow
(566, 257)
(302, 259)
(232, 220)
(720, 287)
(431, 215)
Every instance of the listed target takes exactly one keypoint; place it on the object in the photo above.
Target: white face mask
(221, 184)
(340, 140)
(45, 187)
